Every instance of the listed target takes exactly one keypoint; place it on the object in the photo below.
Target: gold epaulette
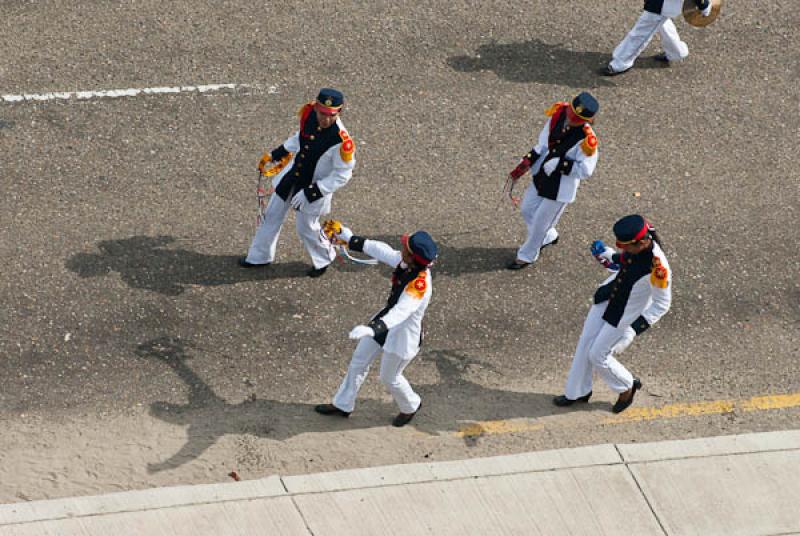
(418, 286)
(659, 276)
(554, 108)
(589, 144)
(348, 146)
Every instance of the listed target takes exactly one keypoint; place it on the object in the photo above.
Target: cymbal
(693, 16)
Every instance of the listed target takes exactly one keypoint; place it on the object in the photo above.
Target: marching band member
(320, 162)
(565, 154)
(656, 17)
(629, 301)
(396, 330)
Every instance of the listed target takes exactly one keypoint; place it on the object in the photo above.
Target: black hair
(654, 236)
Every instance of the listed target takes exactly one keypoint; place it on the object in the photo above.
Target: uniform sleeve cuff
(378, 326)
(565, 167)
(640, 325)
(278, 153)
(357, 243)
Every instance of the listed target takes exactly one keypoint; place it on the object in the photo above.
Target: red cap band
(641, 234)
(327, 110)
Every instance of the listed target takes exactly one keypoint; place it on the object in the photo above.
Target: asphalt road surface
(134, 351)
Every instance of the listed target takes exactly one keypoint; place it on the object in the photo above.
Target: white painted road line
(132, 92)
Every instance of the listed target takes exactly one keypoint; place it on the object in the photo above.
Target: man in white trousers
(396, 330)
(564, 155)
(656, 17)
(321, 162)
(634, 297)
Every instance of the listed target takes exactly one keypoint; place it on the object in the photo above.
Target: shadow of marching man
(535, 61)
(463, 404)
(145, 262)
(172, 353)
(455, 261)
(453, 400)
(209, 417)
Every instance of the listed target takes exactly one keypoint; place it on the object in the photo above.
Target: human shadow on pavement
(464, 404)
(457, 261)
(536, 61)
(208, 417)
(146, 262)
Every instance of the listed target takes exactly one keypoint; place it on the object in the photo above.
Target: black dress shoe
(621, 405)
(662, 58)
(517, 265)
(563, 401)
(330, 409)
(244, 264)
(608, 71)
(316, 272)
(403, 419)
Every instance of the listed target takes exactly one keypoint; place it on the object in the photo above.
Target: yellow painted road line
(771, 402)
(672, 411)
(481, 428)
(716, 407)
(638, 414)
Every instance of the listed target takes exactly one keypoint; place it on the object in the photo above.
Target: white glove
(550, 165)
(707, 11)
(361, 331)
(625, 341)
(299, 201)
(344, 235)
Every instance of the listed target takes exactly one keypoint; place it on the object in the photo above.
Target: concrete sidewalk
(733, 485)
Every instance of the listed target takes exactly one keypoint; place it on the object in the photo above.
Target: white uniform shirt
(582, 168)
(650, 296)
(404, 320)
(332, 172)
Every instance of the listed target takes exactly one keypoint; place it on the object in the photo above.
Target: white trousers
(640, 35)
(594, 352)
(262, 249)
(541, 216)
(392, 367)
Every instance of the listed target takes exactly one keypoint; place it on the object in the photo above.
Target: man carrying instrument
(564, 154)
(318, 159)
(396, 330)
(656, 17)
(634, 297)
